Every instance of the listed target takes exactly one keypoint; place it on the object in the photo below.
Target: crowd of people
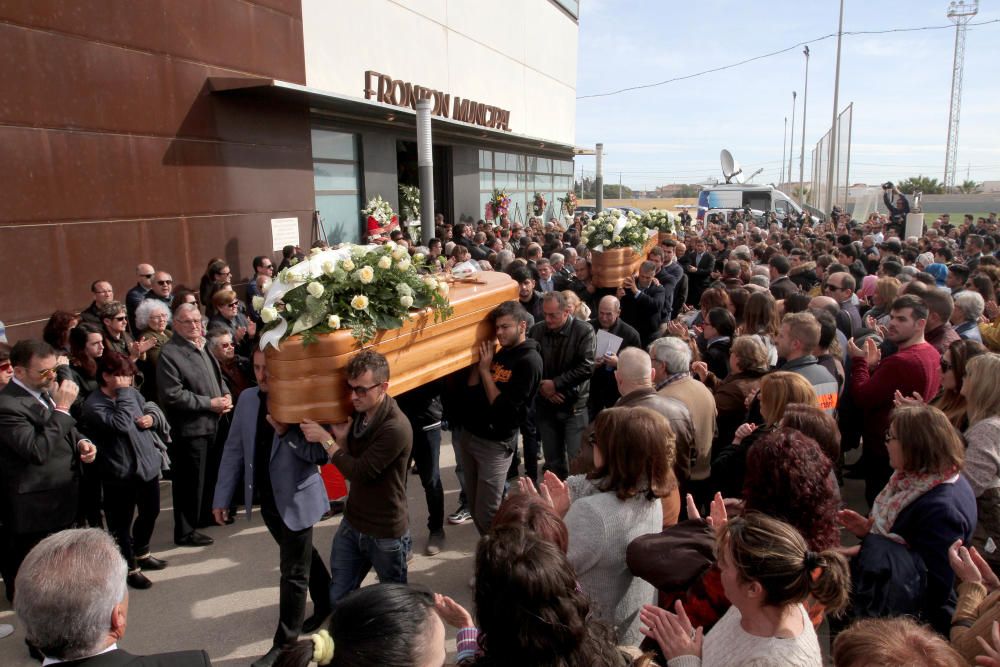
(731, 378)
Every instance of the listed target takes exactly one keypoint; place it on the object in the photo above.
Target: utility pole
(599, 177)
(791, 141)
(802, 149)
(960, 13)
(620, 185)
(833, 127)
(784, 145)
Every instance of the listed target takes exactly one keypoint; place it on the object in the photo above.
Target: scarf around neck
(903, 489)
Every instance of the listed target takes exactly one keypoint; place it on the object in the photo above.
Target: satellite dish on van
(731, 169)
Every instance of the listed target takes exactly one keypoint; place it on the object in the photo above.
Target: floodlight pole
(836, 100)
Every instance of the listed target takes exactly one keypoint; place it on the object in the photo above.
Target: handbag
(674, 559)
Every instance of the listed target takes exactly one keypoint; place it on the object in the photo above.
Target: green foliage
(605, 231)
(925, 184)
(970, 187)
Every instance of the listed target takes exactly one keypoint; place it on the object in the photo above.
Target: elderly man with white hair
(671, 358)
(73, 602)
(965, 315)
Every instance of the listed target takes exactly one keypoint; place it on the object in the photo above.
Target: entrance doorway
(408, 174)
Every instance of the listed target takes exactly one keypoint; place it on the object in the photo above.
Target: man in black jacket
(40, 454)
(501, 386)
(568, 362)
(699, 264)
(603, 388)
(73, 603)
(194, 395)
(642, 302)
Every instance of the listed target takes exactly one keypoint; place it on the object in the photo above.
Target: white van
(759, 198)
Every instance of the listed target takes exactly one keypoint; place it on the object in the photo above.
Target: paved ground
(224, 598)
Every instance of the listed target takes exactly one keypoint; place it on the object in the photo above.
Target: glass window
(335, 176)
(485, 159)
(522, 162)
(340, 215)
(532, 163)
(544, 165)
(333, 145)
(486, 180)
(543, 182)
(563, 183)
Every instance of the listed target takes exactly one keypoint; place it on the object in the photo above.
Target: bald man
(603, 389)
(144, 273)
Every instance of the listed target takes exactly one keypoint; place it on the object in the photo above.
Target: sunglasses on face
(120, 318)
(164, 282)
(361, 392)
(233, 304)
(147, 276)
(6, 366)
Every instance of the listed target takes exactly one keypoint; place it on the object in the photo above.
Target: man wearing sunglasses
(40, 454)
(145, 273)
(372, 450)
(162, 288)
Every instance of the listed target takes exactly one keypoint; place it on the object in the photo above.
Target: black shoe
(151, 563)
(138, 580)
(315, 622)
(194, 539)
(268, 658)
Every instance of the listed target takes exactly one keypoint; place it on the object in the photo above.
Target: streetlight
(833, 127)
(791, 142)
(802, 149)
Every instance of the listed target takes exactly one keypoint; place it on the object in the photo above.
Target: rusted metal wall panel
(112, 150)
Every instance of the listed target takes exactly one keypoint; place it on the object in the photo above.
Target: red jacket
(914, 369)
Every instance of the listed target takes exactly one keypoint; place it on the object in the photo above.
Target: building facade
(175, 132)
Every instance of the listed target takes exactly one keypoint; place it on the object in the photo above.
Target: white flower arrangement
(661, 221)
(613, 229)
(362, 288)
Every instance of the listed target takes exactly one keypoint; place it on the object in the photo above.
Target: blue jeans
(354, 554)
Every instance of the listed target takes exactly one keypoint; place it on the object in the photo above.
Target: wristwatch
(329, 444)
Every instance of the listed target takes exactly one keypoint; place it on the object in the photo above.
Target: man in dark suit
(135, 296)
(642, 302)
(73, 603)
(699, 266)
(292, 499)
(40, 454)
(194, 395)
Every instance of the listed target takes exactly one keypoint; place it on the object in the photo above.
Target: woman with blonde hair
(926, 505)
(982, 455)
(777, 390)
(578, 308)
(893, 642)
(886, 291)
(768, 571)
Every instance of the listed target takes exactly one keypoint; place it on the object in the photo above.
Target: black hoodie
(517, 373)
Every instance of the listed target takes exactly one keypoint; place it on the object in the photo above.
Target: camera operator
(897, 204)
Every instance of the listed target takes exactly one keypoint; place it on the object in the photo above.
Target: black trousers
(427, 457)
(302, 570)
(131, 507)
(188, 461)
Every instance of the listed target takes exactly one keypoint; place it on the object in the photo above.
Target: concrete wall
(519, 55)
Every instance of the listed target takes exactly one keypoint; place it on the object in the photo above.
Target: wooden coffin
(310, 381)
(610, 267)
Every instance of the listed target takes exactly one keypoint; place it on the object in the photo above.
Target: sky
(900, 84)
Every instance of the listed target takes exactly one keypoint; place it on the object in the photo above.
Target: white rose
(419, 257)
(333, 321)
(384, 262)
(268, 314)
(407, 301)
(315, 289)
(366, 274)
(617, 238)
(347, 265)
(404, 289)
(329, 267)
(443, 288)
(358, 252)
(430, 282)
(610, 227)
(399, 252)
(258, 303)
(403, 264)
(359, 302)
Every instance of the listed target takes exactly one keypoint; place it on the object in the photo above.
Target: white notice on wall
(284, 231)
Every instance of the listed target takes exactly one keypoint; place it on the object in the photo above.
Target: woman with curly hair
(529, 608)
